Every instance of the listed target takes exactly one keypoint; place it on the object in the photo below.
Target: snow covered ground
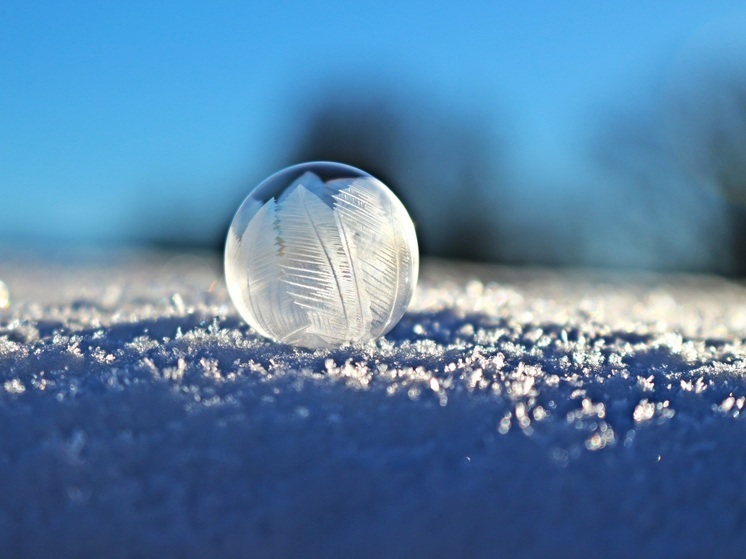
(512, 413)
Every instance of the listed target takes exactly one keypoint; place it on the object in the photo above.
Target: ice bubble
(320, 255)
(4, 296)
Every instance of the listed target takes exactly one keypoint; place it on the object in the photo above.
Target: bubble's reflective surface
(321, 254)
(4, 296)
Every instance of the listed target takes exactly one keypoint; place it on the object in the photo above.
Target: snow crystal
(510, 413)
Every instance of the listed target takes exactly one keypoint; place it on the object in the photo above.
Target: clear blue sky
(171, 106)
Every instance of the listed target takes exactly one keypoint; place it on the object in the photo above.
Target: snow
(514, 413)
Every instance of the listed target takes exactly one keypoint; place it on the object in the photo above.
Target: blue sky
(173, 106)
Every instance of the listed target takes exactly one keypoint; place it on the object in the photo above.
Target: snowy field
(512, 413)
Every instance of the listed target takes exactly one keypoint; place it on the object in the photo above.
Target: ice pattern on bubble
(324, 263)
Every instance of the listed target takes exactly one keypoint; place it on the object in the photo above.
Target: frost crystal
(320, 255)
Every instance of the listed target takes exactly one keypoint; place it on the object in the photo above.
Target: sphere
(321, 255)
(4, 296)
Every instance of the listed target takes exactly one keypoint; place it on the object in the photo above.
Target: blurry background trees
(667, 189)
(708, 137)
(514, 133)
(443, 164)
(671, 191)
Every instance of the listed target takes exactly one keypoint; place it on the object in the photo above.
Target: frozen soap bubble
(320, 255)
(4, 296)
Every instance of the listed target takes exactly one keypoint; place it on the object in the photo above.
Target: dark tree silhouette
(677, 175)
(708, 132)
(646, 211)
(439, 162)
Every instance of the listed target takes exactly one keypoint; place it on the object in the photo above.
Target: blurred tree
(645, 212)
(707, 120)
(443, 165)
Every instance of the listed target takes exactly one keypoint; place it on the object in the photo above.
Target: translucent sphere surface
(4, 296)
(320, 255)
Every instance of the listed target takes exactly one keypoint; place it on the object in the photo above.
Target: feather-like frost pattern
(273, 307)
(326, 263)
(359, 326)
(317, 267)
(383, 255)
(311, 181)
